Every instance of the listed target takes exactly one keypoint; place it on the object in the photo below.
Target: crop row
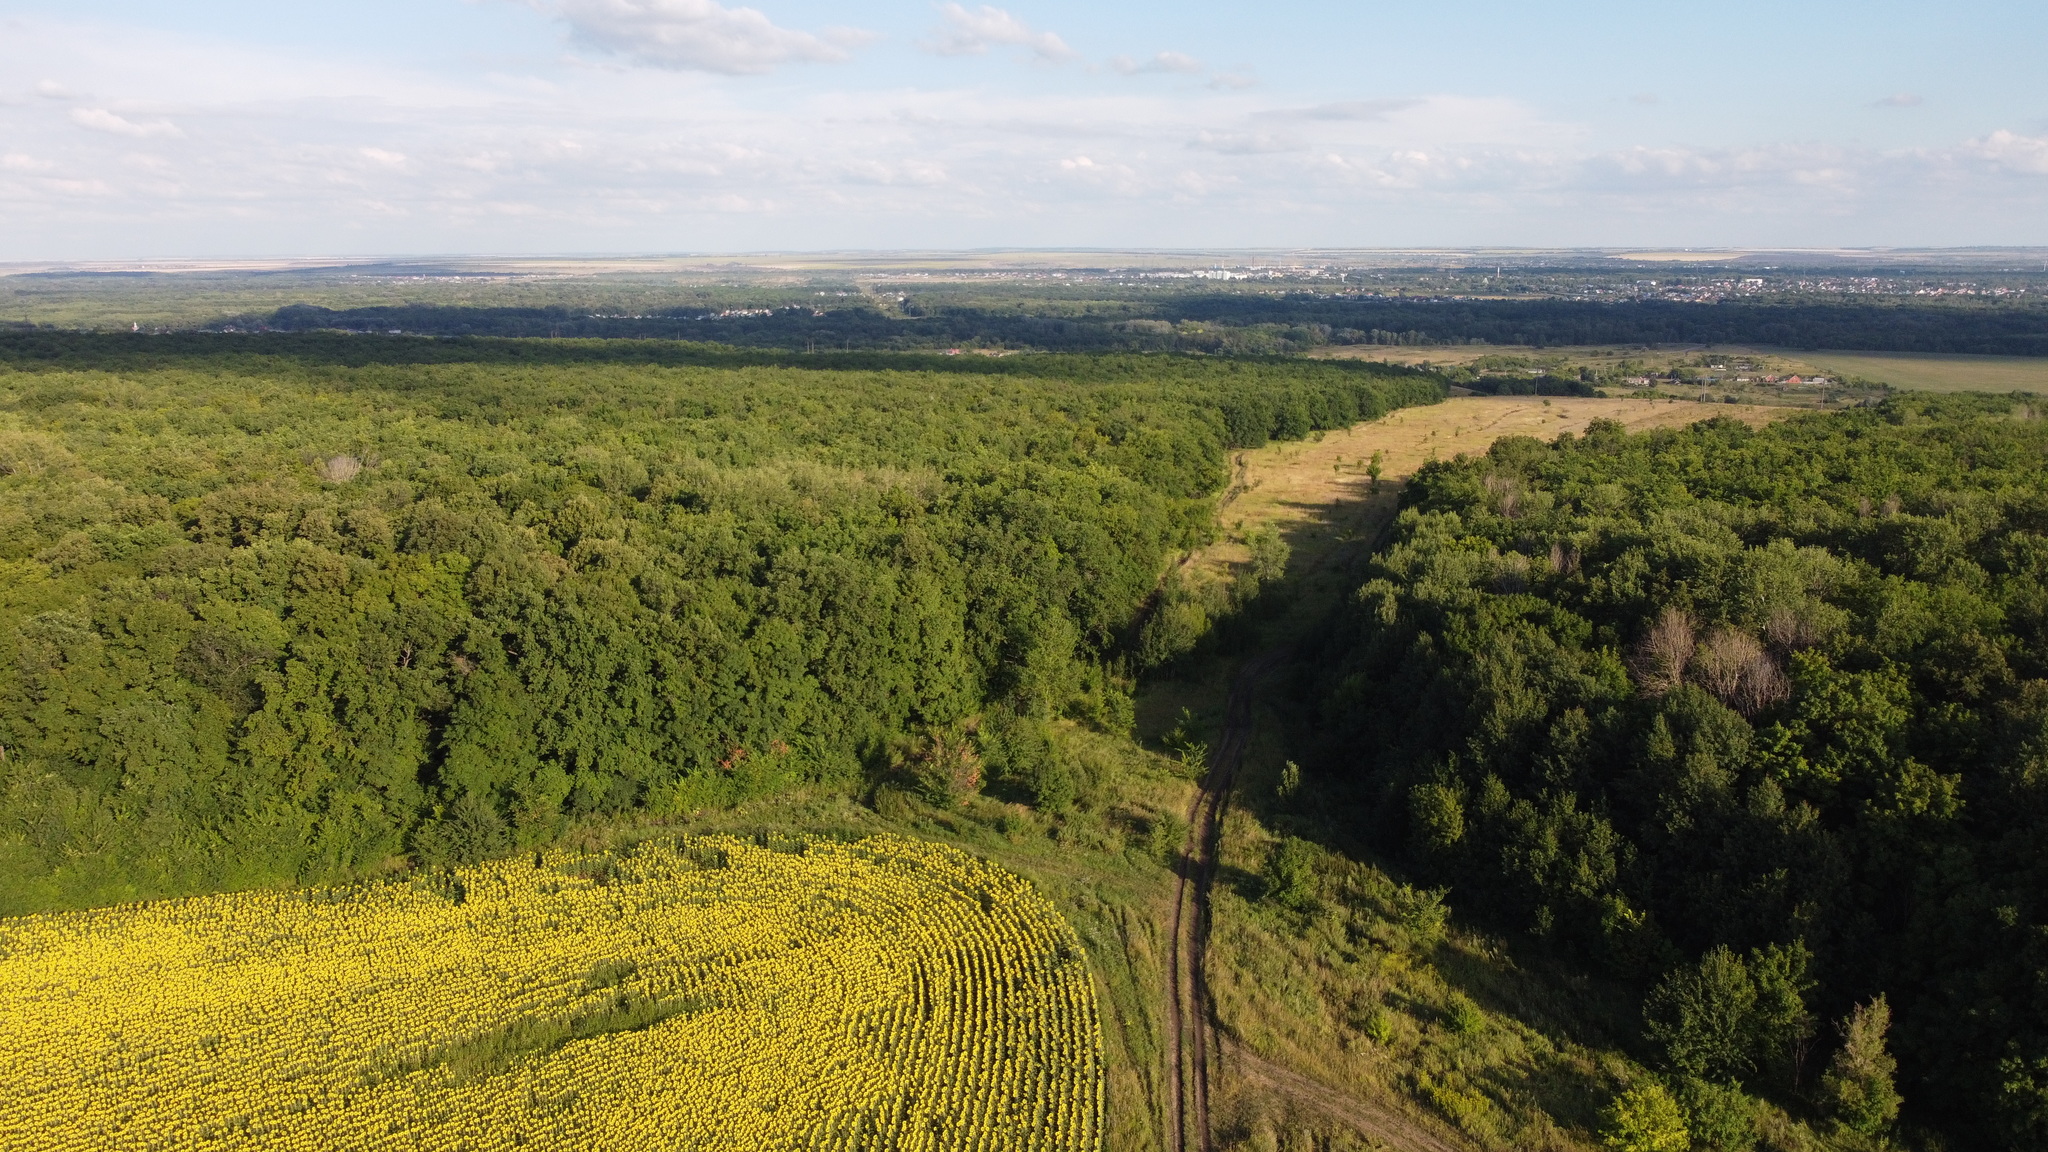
(705, 994)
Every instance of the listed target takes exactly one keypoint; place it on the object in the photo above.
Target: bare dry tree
(1660, 657)
(1763, 685)
(1511, 573)
(1563, 561)
(1739, 671)
(338, 469)
(1507, 493)
(1792, 628)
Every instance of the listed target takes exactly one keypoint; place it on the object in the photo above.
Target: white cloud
(1246, 143)
(101, 120)
(1355, 110)
(51, 90)
(699, 35)
(301, 153)
(971, 33)
(1898, 100)
(1160, 62)
(2012, 151)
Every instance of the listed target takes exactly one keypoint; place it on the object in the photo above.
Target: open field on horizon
(1905, 371)
(713, 994)
(1936, 372)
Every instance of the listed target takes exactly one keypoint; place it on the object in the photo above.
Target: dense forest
(1243, 322)
(1757, 719)
(283, 609)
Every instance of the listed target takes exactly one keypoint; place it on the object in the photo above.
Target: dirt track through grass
(1319, 495)
(1192, 1040)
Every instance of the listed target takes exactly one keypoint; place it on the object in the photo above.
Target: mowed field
(1318, 491)
(1907, 371)
(1928, 372)
(706, 994)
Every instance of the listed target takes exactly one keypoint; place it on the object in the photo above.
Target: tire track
(1369, 1118)
(1191, 1042)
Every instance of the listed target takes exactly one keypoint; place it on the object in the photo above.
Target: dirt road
(1191, 1041)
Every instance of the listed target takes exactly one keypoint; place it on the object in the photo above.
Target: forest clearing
(710, 994)
(1321, 489)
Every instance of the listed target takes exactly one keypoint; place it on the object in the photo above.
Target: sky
(239, 128)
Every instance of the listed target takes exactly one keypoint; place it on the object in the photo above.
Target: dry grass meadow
(1317, 492)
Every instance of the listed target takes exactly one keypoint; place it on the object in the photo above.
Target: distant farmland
(1932, 372)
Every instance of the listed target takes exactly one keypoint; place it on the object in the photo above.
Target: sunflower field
(705, 993)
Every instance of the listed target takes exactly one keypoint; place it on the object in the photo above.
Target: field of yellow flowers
(703, 994)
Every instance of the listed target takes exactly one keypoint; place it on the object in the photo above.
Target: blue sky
(238, 128)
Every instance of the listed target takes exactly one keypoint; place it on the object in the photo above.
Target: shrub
(1023, 762)
(1720, 1117)
(1437, 816)
(468, 830)
(1645, 1119)
(1702, 1017)
(1379, 1027)
(1289, 782)
(1165, 837)
(1290, 873)
(1422, 913)
(1857, 1088)
(1269, 552)
(946, 768)
(1464, 1017)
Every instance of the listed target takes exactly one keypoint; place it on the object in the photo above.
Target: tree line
(1244, 323)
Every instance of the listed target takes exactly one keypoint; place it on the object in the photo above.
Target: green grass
(1936, 372)
(503, 1046)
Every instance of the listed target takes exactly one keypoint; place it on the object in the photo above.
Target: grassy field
(1907, 371)
(1929, 372)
